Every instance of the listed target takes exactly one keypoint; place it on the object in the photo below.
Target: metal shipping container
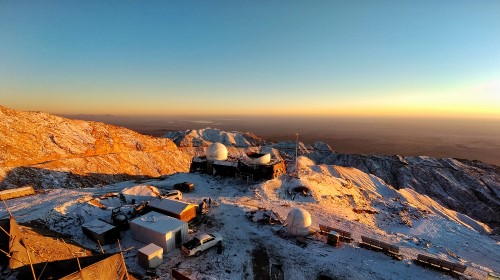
(159, 229)
(174, 208)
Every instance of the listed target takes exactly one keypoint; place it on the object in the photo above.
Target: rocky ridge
(468, 187)
(203, 137)
(49, 151)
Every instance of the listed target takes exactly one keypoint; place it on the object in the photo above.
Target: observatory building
(216, 151)
(253, 166)
(298, 222)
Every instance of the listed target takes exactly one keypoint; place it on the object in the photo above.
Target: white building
(298, 222)
(216, 151)
(159, 229)
(150, 256)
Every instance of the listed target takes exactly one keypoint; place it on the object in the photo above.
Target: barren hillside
(50, 151)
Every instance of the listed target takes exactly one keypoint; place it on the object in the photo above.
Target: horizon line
(382, 114)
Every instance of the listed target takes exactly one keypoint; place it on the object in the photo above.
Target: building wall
(147, 235)
(164, 240)
(258, 171)
(170, 238)
(264, 171)
(198, 167)
(225, 171)
(108, 237)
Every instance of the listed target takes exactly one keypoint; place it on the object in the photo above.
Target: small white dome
(216, 151)
(298, 222)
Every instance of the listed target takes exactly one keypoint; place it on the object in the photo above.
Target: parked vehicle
(175, 194)
(201, 243)
(184, 187)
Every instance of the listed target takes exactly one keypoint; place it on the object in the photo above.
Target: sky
(354, 58)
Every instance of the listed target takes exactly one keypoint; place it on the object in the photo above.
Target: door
(178, 238)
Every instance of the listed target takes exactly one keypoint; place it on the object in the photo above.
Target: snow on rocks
(334, 194)
(140, 193)
(203, 137)
(469, 187)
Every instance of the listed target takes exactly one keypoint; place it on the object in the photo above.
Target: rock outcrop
(50, 151)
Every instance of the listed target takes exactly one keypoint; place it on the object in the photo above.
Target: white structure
(298, 222)
(162, 230)
(140, 193)
(216, 151)
(258, 159)
(16, 192)
(150, 256)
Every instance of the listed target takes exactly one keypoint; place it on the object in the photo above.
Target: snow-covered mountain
(194, 142)
(49, 151)
(203, 137)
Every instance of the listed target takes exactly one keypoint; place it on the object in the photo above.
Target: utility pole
(297, 155)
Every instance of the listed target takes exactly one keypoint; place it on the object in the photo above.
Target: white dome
(259, 159)
(216, 151)
(298, 222)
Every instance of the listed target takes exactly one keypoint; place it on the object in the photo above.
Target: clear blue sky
(252, 57)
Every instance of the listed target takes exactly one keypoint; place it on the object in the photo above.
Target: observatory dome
(298, 222)
(254, 158)
(216, 151)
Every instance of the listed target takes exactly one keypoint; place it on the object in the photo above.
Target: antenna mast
(297, 154)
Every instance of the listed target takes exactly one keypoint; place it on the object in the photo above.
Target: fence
(377, 244)
(441, 264)
(345, 236)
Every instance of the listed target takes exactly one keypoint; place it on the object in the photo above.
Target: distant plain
(474, 139)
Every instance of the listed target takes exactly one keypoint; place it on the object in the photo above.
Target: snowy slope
(468, 187)
(335, 192)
